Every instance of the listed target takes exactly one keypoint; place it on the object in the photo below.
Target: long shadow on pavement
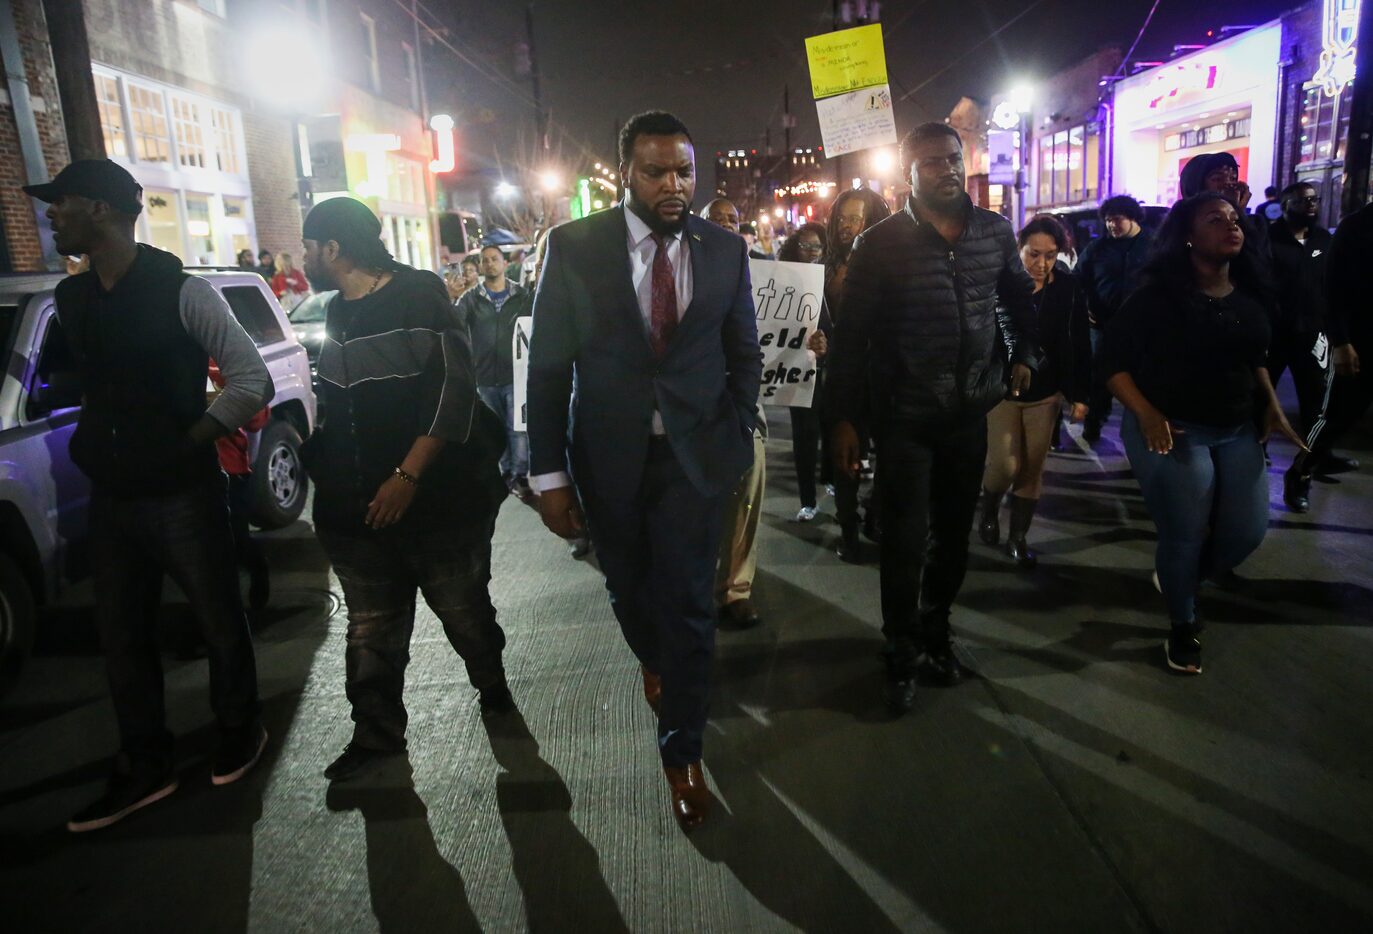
(413, 888)
(557, 868)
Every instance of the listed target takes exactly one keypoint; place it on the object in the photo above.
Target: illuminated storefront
(1222, 98)
(382, 154)
(1323, 92)
(186, 150)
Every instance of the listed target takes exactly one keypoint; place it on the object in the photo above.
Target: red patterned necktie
(662, 318)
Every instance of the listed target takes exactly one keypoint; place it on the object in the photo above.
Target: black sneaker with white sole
(238, 752)
(1182, 649)
(130, 789)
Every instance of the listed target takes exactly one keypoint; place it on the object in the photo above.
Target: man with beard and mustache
(935, 302)
(407, 482)
(644, 322)
(1300, 247)
(143, 333)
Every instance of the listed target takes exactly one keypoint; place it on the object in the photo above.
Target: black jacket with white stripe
(397, 365)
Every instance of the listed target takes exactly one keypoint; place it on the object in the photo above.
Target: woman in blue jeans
(1185, 356)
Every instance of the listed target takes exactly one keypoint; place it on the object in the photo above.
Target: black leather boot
(1022, 514)
(850, 549)
(989, 528)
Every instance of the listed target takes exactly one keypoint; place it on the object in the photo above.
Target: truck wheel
(17, 614)
(279, 481)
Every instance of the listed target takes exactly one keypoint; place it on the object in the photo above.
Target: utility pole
(1358, 155)
(71, 58)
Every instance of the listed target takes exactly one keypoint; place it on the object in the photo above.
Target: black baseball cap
(342, 219)
(97, 179)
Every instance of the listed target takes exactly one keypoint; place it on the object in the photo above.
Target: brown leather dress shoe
(740, 614)
(653, 688)
(690, 795)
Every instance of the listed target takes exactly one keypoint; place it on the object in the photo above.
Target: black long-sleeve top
(1065, 364)
(1192, 356)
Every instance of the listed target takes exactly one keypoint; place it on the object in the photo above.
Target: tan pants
(1018, 439)
(739, 534)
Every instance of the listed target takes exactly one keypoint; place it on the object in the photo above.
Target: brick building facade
(18, 217)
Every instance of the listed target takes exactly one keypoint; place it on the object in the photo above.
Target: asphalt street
(1073, 785)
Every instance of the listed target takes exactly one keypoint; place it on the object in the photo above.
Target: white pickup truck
(44, 497)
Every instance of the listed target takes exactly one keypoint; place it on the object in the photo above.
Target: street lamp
(505, 190)
(1021, 100)
(882, 162)
(551, 181)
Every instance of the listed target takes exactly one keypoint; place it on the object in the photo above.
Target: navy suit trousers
(658, 553)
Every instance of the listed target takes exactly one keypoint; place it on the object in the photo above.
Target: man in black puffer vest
(407, 485)
(142, 332)
(935, 306)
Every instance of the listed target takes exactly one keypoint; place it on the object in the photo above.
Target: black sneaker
(898, 686)
(129, 790)
(850, 549)
(942, 667)
(356, 759)
(237, 754)
(496, 701)
(1182, 649)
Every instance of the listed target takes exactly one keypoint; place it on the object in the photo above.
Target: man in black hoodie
(142, 332)
(1300, 247)
(407, 485)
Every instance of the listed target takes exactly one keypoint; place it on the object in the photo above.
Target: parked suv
(44, 497)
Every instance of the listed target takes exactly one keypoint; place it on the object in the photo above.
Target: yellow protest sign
(848, 60)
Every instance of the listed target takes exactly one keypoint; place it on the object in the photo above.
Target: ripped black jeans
(380, 573)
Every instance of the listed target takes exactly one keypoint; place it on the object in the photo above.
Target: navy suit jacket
(588, 328)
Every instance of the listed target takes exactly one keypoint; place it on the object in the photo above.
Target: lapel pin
(696, 237)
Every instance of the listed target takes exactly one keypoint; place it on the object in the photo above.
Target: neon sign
(1339, 34)
(447, 157)
(1171, 85)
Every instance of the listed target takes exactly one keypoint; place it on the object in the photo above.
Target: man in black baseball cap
(407, 485)
(142, 332)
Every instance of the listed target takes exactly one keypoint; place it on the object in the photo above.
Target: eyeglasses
(1309, 199)
(809, 247)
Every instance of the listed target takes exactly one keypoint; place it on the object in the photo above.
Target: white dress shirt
(642, 251)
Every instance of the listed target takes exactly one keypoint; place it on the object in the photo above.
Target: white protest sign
(520, 355)
(787, 298)
(857, 120)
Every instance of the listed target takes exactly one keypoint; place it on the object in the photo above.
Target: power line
(494, 77)
(985, 39)
(1125, 62)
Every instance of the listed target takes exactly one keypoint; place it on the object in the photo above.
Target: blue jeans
(501, 400)
(1209, 499)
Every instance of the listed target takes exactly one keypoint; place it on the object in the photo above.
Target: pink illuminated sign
(1182, 82)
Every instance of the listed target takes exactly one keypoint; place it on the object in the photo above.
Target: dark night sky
(722, 66)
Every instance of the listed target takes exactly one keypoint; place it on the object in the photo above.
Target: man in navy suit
(648, 312)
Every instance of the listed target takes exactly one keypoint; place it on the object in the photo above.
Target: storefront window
(148, 113)
(1091, 169)
(1075, 161)
(1060, 165)
(1046, 170)
(190, 138)
(199, 230)
(162, 210)
(111, 115)
(1324, 126)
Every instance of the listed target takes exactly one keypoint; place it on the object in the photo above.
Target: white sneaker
(1157, 586)
(829, 489)
(805, 514)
